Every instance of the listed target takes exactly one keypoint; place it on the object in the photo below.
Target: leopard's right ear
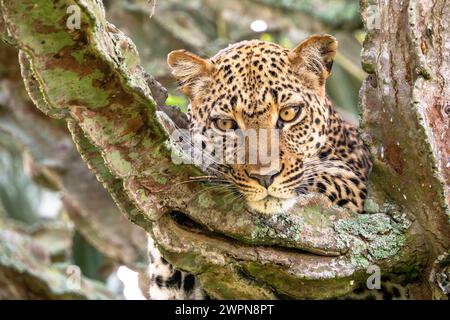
(313, 59)
(191, 71)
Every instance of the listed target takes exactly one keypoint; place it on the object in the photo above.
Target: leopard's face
(276, 96)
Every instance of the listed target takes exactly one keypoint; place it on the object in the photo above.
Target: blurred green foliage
(177, 100)
(20, 199)
(336, 13)
(87, 257)
(19, 196)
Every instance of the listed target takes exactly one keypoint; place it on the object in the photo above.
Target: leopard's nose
(264, 180)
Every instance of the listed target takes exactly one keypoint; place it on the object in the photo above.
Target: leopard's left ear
(315, 55)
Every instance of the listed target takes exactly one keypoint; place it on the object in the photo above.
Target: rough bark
(91, 78)
(405, 100)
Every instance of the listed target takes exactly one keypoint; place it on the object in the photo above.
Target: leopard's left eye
(225, 124)
(289, 114)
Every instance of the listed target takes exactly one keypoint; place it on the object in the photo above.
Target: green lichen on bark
(372, 237)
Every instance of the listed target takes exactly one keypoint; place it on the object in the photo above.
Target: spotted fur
(167, 283)
(388, 291)
(249, 83)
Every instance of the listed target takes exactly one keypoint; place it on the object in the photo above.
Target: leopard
(255, 84)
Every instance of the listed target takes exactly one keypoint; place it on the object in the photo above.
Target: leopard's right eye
(225, 124)
(289, 114)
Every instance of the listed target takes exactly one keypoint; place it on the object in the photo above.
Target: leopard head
(261, 87)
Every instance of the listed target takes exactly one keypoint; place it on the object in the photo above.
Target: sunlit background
(36, 209)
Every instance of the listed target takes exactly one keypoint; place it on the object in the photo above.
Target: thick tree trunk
(91, 78)
(406, 113)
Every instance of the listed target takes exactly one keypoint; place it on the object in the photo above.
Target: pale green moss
(79, 55)
(120, 165)
(65, 85)
(371, 237)
(279, 226)
(205, 200)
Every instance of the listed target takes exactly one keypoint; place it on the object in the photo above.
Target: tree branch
(52, 160)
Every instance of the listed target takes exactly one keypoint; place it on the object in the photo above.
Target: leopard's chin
(271, 205)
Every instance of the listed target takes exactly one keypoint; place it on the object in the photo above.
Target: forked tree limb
(91, 78)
